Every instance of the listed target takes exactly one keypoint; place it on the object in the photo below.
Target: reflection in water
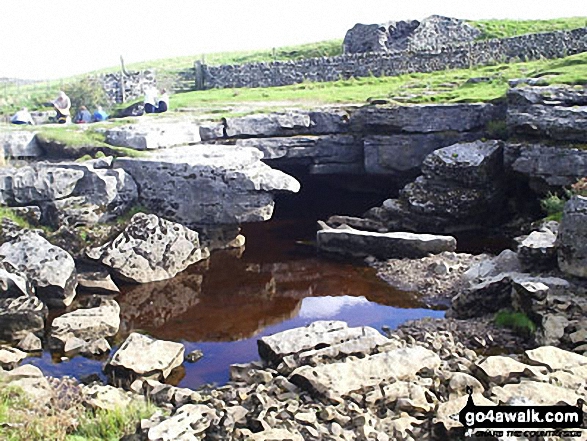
(224, 304)
(317, 308)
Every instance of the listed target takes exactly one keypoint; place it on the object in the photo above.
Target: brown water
(224, 304)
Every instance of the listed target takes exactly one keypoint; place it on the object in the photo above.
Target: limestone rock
(461, 188)
(538, 393)
(154, 135)
(506, 262)
(11, 357)
(190, 421)
(20, 144)
(572, 238)
(32, 382)
(538, 251)
(207, 184)
(545, 165)
(553, 329)
(460, 381)
(431, 34)
(86, 323)
(50, 269)
(447, 413)
(403, 154)
(98, 396)
(13, 284)
(553, 121)
(30, 343)
(144, 357)
(357, 243)
(98, 282)
(150, 249)
(502, 369)
(323, 154)
(424, 118)
(31, 185)
(20, 316)
(554, 358)
(278, 125)
(332, 381)
(318, 341)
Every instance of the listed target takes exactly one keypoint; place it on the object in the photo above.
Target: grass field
(435, 87)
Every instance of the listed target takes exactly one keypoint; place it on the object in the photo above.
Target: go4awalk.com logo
(562, 421)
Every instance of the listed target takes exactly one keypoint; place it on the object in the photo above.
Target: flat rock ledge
(351, 242)
(207, 184)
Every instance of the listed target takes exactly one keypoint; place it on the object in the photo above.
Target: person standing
(22, 117)
(62, 106)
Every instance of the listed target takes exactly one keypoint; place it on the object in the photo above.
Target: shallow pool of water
(224, 304)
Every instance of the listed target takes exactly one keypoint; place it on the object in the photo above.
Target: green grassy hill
(421, 87)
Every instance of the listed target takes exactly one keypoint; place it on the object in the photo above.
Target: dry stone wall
(548, 45)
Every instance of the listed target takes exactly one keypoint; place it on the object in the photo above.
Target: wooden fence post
(199, 73)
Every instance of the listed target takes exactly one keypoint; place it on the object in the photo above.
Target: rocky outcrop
(207, 184)
(461, 188)
(141, 356)
(546, 166)
(322, 154)
(20, 316)
(20, 144)
(150, 249)
(152, 134)
(50, 270)
(336, 380)
(424, 118)
(402, 155)
(572, 243)
(87, 324)
(558, 113)
(278, 125)
(431, 35)
(69, 193)
(491, 294)
(348, 241)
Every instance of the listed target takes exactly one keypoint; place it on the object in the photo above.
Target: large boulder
(69, 193)
(154, 134)
(141, 356)
(277, 125)
(431, 34)
(87, 324)
(207, 184)
(21, 315)
(348, 241)
(50, 269)
(462, 187)
(150, 249)
(572, 238)
(20, 144)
